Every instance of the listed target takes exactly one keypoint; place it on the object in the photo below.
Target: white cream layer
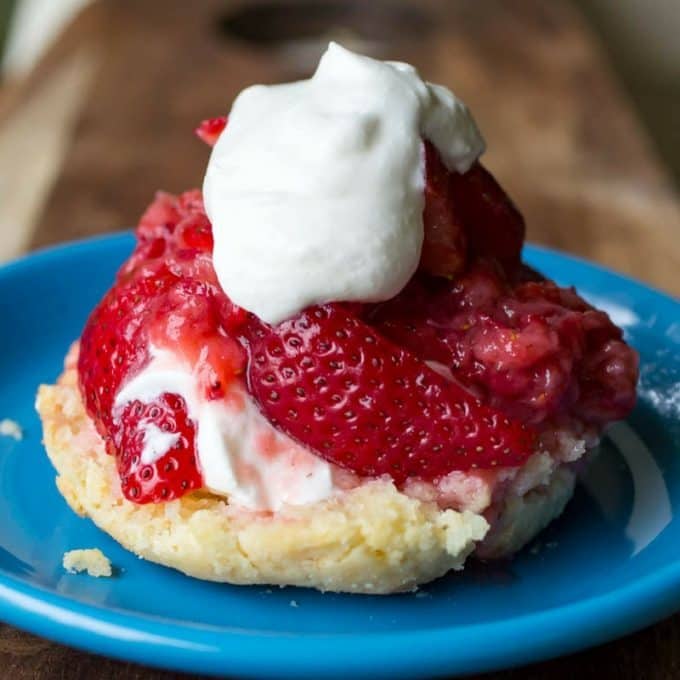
(241, 456)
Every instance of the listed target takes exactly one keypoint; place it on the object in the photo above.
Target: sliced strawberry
(167, 310)
(444, 245)
(533, 350)
(114, 341)
(167, 295)
(410, 320)
(493, 225)
(210, 129)
(337, 386)
(156, 445)
(359, 392)
(466, 216)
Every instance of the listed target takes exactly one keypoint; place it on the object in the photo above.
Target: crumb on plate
(372, 539)
(10, 428)
(93, 561)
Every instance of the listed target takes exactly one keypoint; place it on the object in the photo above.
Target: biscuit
(371, 539)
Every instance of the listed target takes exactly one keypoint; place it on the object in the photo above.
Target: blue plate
(610, 565)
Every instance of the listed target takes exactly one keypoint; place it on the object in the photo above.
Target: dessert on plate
(330, 367)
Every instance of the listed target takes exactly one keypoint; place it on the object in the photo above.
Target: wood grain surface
(561, 138)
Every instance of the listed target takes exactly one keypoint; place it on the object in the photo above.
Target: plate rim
(187, 646)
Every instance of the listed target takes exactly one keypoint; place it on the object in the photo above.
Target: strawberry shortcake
(330, 367)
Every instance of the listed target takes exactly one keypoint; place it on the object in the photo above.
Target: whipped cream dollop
(240, 454)
(315, 188)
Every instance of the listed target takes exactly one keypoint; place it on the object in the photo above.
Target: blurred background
(579, 101)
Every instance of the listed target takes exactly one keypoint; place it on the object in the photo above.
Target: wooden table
(135, 77)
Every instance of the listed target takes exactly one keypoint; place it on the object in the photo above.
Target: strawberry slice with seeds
(156, 443)
(357, 400)
(113, 346)
(210, 129)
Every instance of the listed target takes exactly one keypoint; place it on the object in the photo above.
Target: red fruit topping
(209, 130)
(192, 319)
(493, 225)
(535, 351)
(176, 471)
(114, 342)
(444, 244)
(363, 403)
(460, 209)
(466, 216)
(174, 229)
(515, 354)
(195, 233)
(167, 295)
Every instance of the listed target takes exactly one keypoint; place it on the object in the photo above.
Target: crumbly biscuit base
(372, 539)
(521, 518)
(90, 560)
